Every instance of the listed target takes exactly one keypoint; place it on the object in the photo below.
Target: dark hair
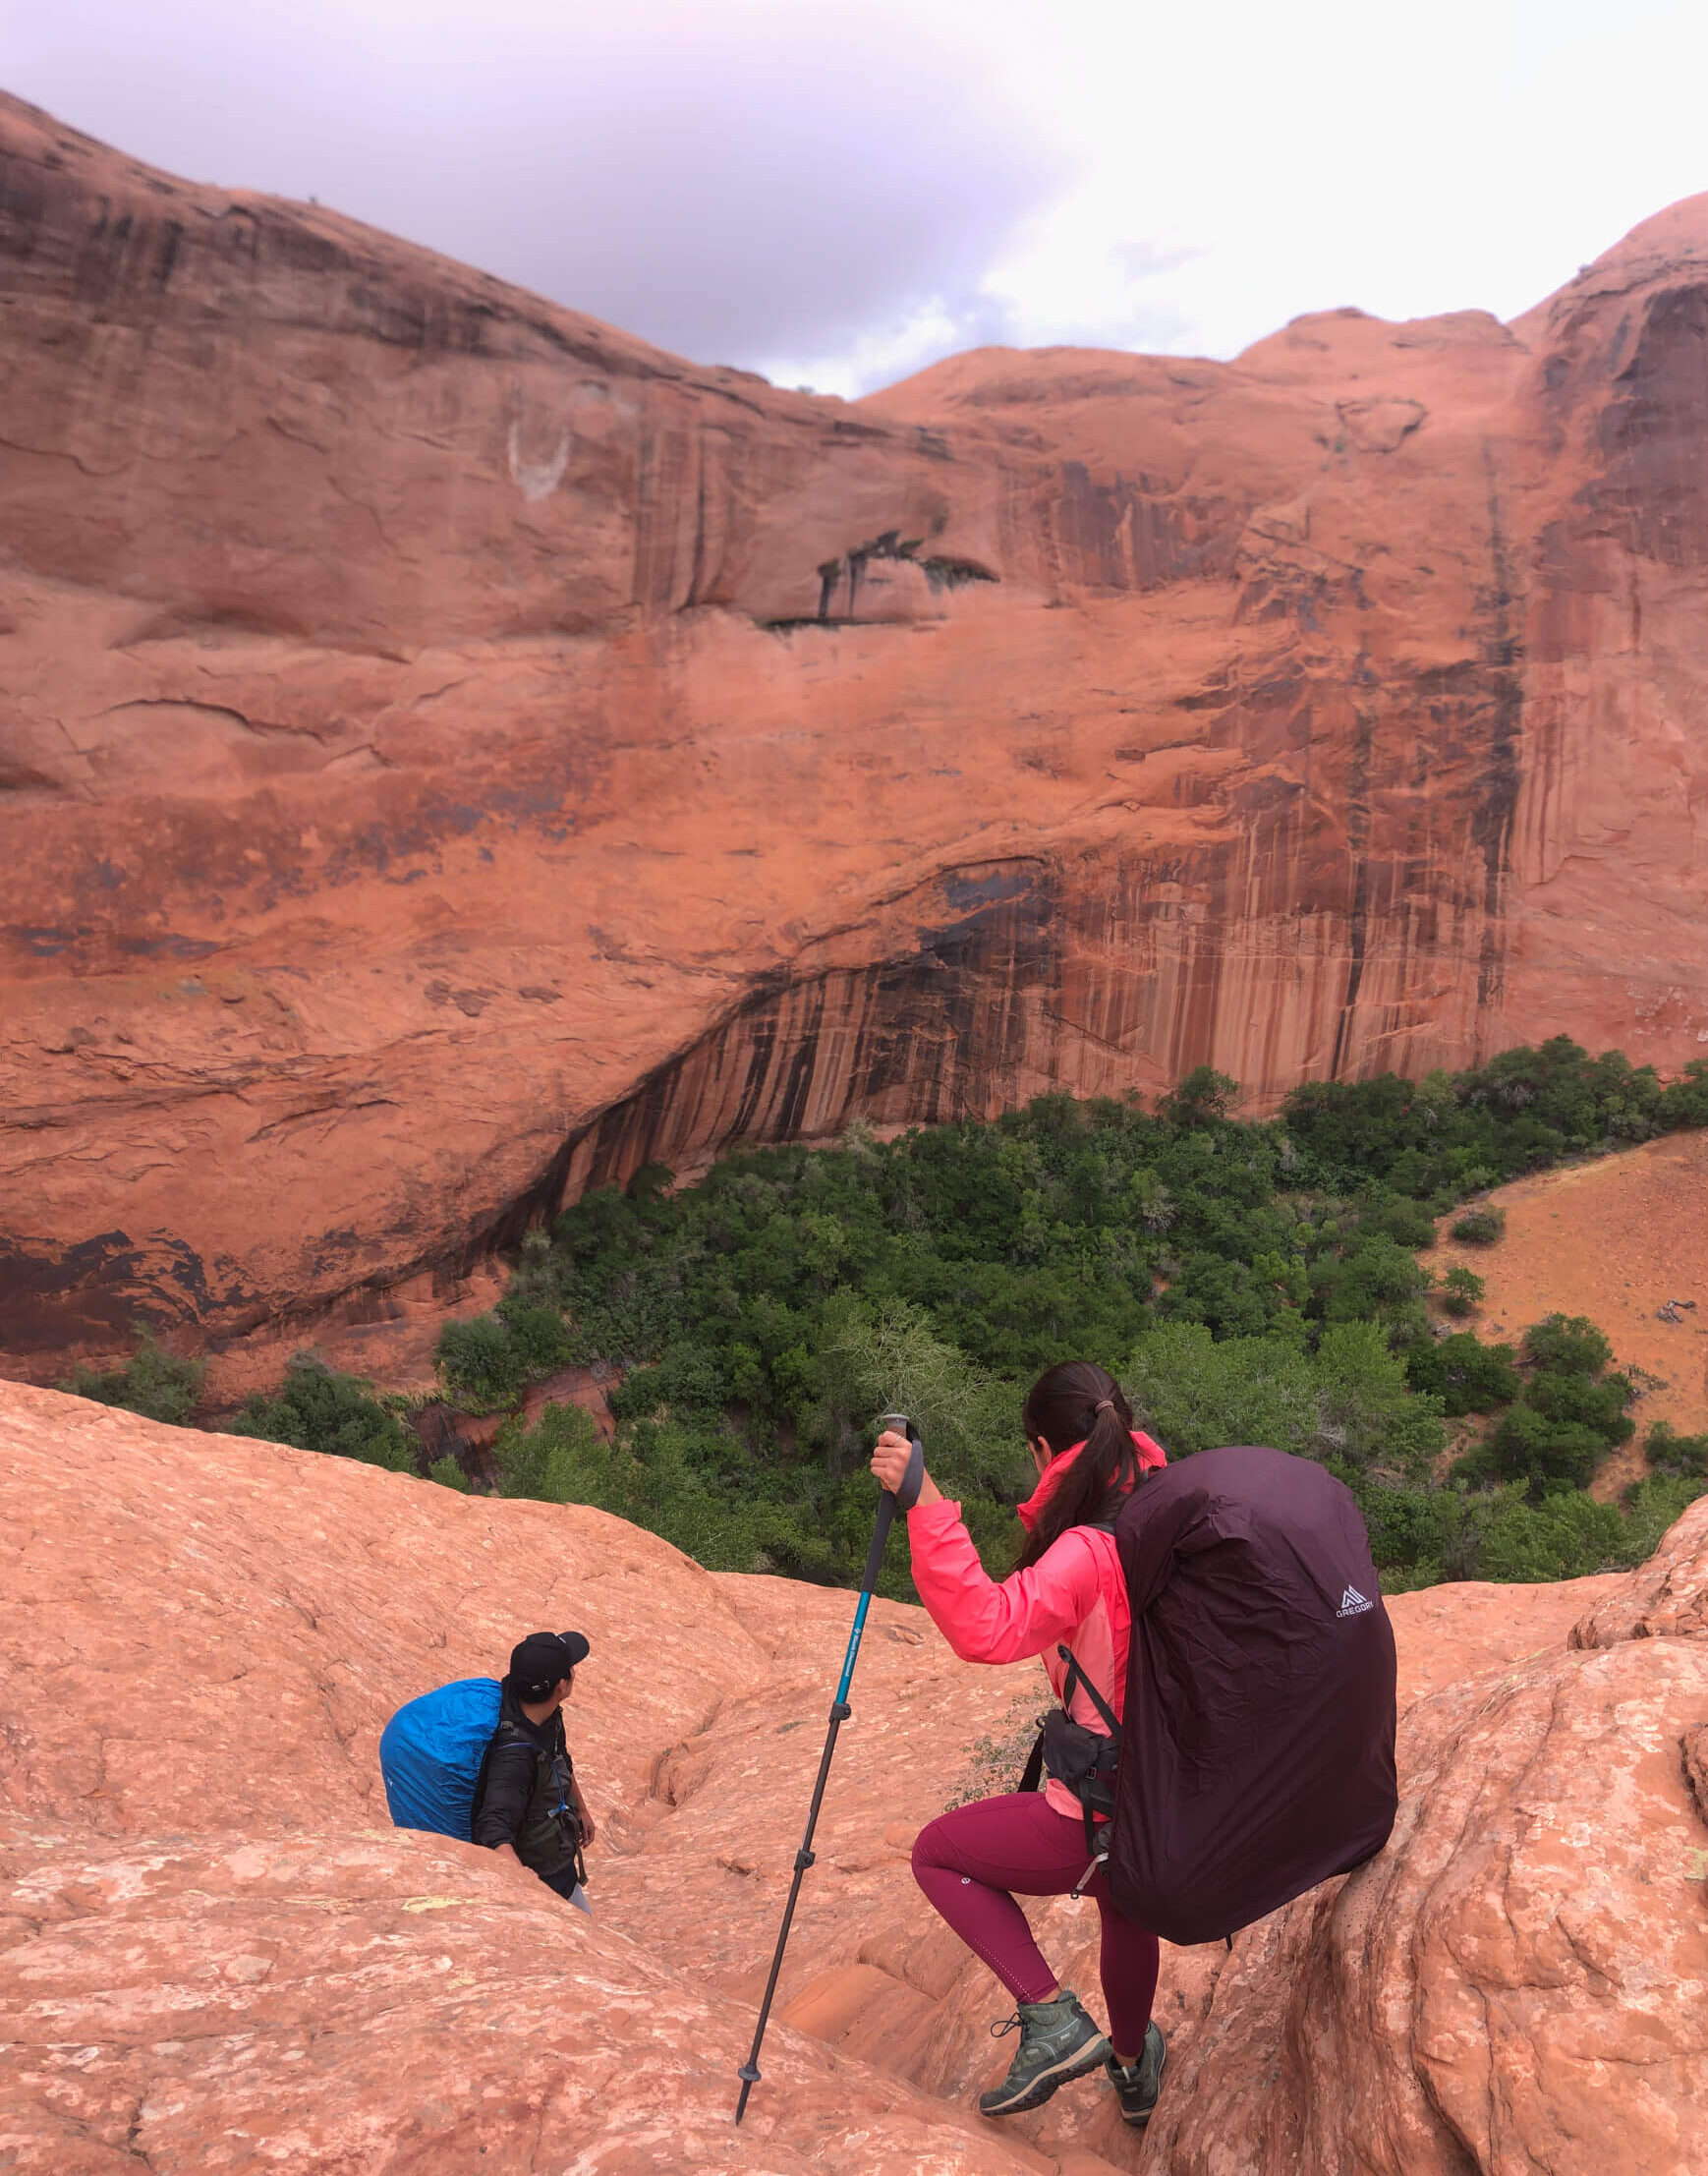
(1062, 1407)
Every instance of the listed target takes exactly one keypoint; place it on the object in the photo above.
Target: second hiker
(1067, 1589)
(528, 1805)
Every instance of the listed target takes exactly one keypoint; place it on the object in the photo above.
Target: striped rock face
(451, 753)
(217, 1958)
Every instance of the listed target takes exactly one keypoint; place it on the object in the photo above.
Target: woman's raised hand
(889, 1463)
(889, 1459)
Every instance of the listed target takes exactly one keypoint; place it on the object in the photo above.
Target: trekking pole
(905, 1498)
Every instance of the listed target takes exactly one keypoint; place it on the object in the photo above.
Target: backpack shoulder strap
(1076, 1676)
(504, 1733)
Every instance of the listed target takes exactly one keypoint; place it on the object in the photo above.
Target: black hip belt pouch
(1084, 1759)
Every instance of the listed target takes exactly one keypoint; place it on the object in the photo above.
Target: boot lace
(1013, 2025)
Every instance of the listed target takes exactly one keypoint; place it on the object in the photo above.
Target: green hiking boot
(1139, 2084)
(1057, 2041)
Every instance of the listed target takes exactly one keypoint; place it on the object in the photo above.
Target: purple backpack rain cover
(1257, 1743)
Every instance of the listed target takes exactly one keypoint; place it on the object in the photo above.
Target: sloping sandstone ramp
(451, 752)
(217, 1955)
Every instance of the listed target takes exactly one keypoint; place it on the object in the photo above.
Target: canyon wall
(451, 752)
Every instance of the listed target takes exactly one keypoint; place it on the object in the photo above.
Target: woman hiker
(1067, 1589)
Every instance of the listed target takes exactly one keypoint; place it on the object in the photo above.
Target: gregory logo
(1352, 1602)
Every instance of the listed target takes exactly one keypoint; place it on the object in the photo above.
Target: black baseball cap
(545, 1658)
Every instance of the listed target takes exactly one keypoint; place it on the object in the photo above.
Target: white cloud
(838, 191)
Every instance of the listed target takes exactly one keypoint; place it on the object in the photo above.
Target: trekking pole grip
(904, 1497)
(906, 1493)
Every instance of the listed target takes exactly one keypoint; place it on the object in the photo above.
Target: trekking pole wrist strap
(913, 1480)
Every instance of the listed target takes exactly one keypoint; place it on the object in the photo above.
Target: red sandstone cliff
(216, 1958)
(450, 751)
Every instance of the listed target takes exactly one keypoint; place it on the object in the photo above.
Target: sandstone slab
(377, 2003)
(1665, 1599)
(214, 1954)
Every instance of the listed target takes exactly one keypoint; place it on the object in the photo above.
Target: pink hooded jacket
(1073, 1594)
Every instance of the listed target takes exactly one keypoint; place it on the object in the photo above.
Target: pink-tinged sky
(836, 192)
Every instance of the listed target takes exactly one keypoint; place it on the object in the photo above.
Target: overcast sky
(836, 192)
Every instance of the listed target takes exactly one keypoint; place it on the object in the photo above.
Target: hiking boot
(1139, 2084)
(1057, 2041)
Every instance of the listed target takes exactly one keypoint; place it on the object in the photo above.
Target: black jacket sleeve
(499, 1808)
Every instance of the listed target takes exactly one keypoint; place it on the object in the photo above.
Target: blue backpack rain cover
(431, 1754)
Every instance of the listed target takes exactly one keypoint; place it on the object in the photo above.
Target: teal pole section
(749, 2073)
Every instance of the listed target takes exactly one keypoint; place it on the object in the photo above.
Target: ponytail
(1078, 1401)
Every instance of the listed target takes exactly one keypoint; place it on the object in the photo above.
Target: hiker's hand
(889, 1463)
(588, 1832)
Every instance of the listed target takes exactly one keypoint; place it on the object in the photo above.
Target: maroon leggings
(970, 1863)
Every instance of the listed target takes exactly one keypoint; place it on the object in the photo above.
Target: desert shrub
(1419, 1535)
(661, 1475)
(153, 1381)
(449, 1473)
(1461, 1290)
(1480, 1227)
(488, 1360)
(1565, 1536)
(1378, 1278)
(1448, 1135)
(1581, 1400)
(560, 1460)
(1671, 1456)
(1527, 1445)
(318, 1408)
(1566, 1344)
(1202, 1099)
(1651, 1507)
(476, 1362)
(1569, 1414)
(689, 1380)
(1466, 1375)
(1395, 1217)
(1347, 1401)
(996, 1762)
(1685, 1102)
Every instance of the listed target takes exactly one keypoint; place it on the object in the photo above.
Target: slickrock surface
(215, 1953)
(450, 752)
(377, 2003)
(215, 1956)
(1668, 1599)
